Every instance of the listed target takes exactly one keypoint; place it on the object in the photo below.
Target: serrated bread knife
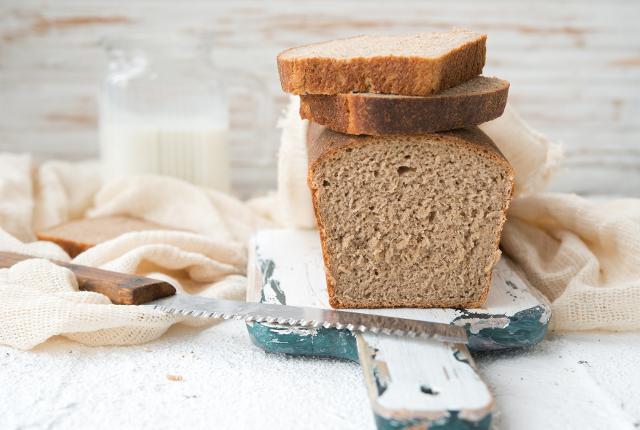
(128, 289)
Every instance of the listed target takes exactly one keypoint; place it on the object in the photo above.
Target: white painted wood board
(410, 382)
(298, 267)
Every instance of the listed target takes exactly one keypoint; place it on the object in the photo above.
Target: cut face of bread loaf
(408, 221)
(417, 65)
(478, 100)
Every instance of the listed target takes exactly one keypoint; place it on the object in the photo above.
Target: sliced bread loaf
(79, 235)
(478, 100)
(408, 221)
(416, 65)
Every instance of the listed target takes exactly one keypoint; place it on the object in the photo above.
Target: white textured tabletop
(217, 379)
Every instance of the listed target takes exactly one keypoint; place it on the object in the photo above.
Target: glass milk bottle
(163, 110)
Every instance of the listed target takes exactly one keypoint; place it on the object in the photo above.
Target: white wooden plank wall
(574, 68)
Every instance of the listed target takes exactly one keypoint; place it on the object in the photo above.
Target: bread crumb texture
(410, 222)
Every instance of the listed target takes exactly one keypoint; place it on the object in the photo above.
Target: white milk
(192, 150)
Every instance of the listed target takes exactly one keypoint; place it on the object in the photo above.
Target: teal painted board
(515, 315)
(410, 383)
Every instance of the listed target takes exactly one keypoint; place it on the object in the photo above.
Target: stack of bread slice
(410, 196)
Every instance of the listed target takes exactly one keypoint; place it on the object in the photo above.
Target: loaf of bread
(415, 65)
(79, 235)
(408, 221)
(478, 100)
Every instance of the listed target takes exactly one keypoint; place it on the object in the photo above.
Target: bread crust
(77, 236)
(71, 247)
(377, 115)
(323, 143)
(402, 75)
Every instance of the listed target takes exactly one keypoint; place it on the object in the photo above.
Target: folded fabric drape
(39, 300)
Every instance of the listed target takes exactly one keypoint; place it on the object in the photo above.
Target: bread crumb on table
(175, 378)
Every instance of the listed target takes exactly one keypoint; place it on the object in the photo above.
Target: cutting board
(411, 383)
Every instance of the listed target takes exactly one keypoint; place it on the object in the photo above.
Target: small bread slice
(415, 65)
(79, 235)
(478, 100)
(408, 221)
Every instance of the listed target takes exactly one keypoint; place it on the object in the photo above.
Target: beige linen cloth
(584, 256)
(39, 300)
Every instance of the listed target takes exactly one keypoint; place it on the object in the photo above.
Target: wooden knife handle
(121, 288)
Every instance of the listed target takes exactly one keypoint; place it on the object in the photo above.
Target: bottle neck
(156, 51)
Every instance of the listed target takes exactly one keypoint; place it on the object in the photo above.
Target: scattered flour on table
(575, 380)
(226, 382)
(581, 381)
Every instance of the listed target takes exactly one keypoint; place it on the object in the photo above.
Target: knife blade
(126, 289)
(307, 317)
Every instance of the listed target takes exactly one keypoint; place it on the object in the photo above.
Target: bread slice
(79, 235)
(416, 65)
(408, 221)
(478, 100)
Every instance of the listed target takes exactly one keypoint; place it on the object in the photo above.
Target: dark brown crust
(73, 248)
(411, 76)
(376, 115)
(323, 143)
